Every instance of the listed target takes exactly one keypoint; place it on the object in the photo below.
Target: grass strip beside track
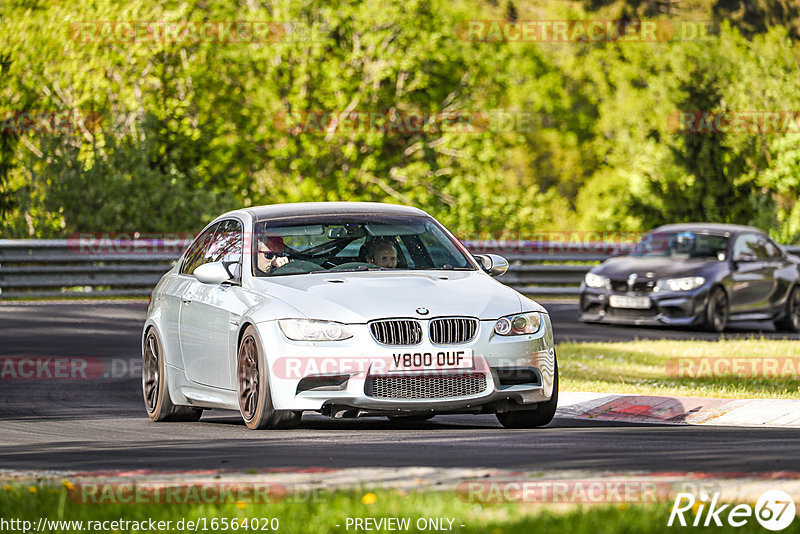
(648, 367)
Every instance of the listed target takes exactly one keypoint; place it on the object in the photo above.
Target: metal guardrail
(62, 268)
(59, 267)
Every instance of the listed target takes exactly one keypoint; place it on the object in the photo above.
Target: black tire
(157, 401)
(252, 379)
(791, 320)
(541, 416)
(410, 418)
(717, 311)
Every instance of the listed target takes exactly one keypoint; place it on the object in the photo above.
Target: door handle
(186, 301)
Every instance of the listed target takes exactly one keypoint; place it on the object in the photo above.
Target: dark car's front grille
(425, 386)
(396, 331)
(644, 286)
(453, 330)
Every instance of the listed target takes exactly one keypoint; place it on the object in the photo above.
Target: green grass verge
(323, 514)
(641, 367)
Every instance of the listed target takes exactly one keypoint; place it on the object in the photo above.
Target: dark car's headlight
(519, 324)
(686, 283)
(596, 281)
(310, 330)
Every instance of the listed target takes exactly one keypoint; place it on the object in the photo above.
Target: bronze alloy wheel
(255, 399)
(157, 399)
(150, 372)
(248, 377)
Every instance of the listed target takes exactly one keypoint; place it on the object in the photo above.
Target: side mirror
(492, 263)
(212, 273)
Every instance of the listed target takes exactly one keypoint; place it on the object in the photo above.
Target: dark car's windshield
(355, 243)
(683, 245)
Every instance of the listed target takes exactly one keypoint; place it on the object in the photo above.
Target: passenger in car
(382, 253)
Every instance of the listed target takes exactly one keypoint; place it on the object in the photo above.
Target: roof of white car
(304, 209)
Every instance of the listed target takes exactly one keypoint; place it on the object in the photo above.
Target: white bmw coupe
(346, 309)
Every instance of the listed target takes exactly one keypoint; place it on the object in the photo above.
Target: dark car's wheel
(791, 321)
(154, 385)
(717, 310)
(255, 401)
(540, 416)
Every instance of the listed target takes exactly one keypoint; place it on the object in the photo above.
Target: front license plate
(435, 359)
(623, 301)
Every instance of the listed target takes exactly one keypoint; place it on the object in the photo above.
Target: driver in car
(270, 254)
(382, 253)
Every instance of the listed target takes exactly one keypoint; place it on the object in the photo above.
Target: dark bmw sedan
(696, 274)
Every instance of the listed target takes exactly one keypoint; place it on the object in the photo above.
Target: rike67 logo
(774, 510)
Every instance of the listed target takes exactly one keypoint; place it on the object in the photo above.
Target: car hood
(362, 297)
(623, 266)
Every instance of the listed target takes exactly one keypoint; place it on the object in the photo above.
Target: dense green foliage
(190, 129)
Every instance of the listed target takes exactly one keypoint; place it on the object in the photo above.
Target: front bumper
(338, 377)
(672, 308)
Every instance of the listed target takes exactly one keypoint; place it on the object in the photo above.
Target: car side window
(198, 251)
(749, 245)
(227, 246)
(773, 250)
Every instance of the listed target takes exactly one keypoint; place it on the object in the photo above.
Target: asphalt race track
(91, 424)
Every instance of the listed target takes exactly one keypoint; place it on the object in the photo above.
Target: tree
(8, 148)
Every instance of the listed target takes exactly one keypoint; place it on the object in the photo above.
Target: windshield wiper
(448, 267)
(353, 269)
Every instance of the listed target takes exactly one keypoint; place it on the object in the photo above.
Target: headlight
(517, 325)
(310, 330)
(595, 280)
(681, 284)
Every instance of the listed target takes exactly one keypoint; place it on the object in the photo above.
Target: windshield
(683, 245)
(354, 243)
